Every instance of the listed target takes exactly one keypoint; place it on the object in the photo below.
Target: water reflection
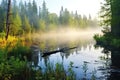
(89, 61)
(112, 63)
(115, 65)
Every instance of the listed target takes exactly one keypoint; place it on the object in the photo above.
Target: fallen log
(60, 50)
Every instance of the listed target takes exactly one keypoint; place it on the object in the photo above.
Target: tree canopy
(110, 14)
(27, 16)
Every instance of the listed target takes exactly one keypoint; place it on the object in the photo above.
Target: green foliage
(26, 25)
(42, 25)
(2, 35)
(107, 40)
(12, 69)
(71, 73)
(75, 20)
(2, 15)
(110, 14)
(55, 73)
(15, 28)
(26, 18)
(105, 13)
(116, 42)
(12, 65)
(53, 19)
(20, 51)
(16, 67)
(102, 39)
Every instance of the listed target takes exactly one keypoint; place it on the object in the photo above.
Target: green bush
(14, 69)
(107, 40)
(2, 35)
(20, 51)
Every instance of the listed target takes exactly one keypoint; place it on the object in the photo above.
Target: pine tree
(105, 13)
(16, 27)
(45, 13)
(2, 15)
(110, 13)
(34, 8)
(26, 25)
(61, 16)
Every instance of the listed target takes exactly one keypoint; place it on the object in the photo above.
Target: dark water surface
(89, 61)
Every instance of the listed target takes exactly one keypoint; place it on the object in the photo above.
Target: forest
(29, 18)
(36, 45)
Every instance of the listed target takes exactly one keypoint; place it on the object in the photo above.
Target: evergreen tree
(110, 13)
(29, 14)
(26, 25)
(40, 13)
(53, 19)
(22, 10)
(71, 20)
(61, 16)
(15, 8)
(105, 14)
(44, 12)
(84, 21)
(3, 13)
(15, 28)
(34, 8)
(76, 19)
(80, 21)
(66, 17)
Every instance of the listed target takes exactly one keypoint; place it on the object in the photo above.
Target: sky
(82, 6)
(86, 7)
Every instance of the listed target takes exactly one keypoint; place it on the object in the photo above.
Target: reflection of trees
(47, 45)
(112, 62)
(105, 68)
(46, 59)
(115, 60)
(62, 56)
(35, 58)
(68, 53)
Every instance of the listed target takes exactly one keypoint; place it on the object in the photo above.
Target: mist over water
(68, 34)
(84, 53)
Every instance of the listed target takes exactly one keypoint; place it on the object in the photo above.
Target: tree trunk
(115, 22)
(8, 20)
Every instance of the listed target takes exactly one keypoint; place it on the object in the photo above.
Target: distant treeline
(27, 17)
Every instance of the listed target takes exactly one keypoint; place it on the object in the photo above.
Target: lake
(88, 59)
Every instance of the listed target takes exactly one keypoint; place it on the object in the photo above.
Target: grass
(55, 73)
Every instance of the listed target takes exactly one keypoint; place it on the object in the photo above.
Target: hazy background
(82, 6)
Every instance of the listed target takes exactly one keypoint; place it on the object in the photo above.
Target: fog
(67, 34)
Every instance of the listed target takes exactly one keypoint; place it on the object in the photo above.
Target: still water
(88, 60)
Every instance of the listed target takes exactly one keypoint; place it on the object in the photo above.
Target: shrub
(13, 69)
(20, 51)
